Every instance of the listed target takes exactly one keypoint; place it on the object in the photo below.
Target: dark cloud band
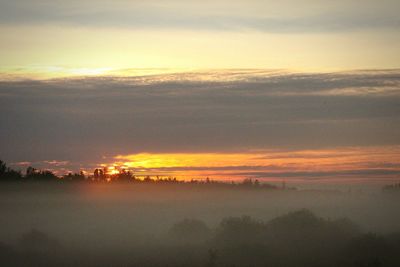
(81, 119)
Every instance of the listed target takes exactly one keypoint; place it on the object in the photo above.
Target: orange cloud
(354, 162)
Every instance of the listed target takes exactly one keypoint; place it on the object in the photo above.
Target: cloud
(226, 111)
(361, 175)
(22, 163)
(362, 163)
(56, 163)
(266, 124)
(287, 17)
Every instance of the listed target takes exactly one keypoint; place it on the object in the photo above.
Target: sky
(97, 34)
(265, 124)
(304, 91)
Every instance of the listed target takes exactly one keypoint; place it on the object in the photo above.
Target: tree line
(102, 175)
(392, 188)
(299, 238)
(296, 239)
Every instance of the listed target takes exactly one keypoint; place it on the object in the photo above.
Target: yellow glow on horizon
(89, 50)
(303, 160)
(147, 160)
(55, 72)
(92, 71)
(112, 170)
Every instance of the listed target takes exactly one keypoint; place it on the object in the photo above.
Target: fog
(89, 224)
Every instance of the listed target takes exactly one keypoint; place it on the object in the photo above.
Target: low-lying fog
(102, 220)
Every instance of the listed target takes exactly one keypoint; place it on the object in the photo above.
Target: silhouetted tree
(124, 175)
(148, 179)
(8, 174)
(190, 231)
(3, 168)
(38, 175)
(74, 177)
(368, 250)
(30, 171)
(99, 174)
(243, 230)
(393, 188)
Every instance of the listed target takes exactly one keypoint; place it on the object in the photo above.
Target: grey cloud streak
(87, 118)
(136, 15)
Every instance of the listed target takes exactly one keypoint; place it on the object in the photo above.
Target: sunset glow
(297, 90)
(200, 133)
(354, 163)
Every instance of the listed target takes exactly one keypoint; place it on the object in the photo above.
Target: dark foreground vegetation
(393, 188)
(7, 174)
(296, 239)
(121, 219)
